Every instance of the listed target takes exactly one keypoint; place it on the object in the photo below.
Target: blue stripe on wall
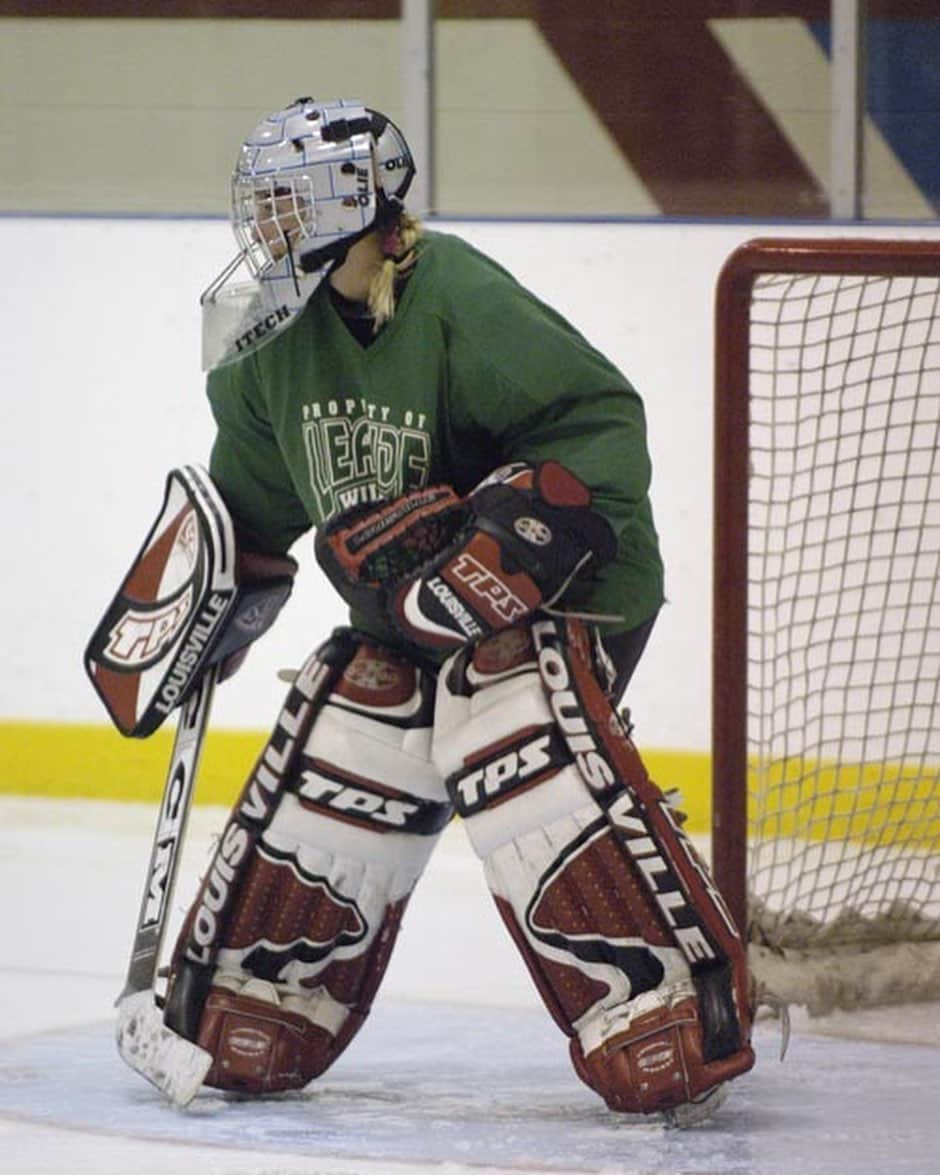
(903, 92)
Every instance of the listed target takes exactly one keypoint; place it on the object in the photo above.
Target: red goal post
(826, 616)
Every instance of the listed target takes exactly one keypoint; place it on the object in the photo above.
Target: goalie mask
(310, 180)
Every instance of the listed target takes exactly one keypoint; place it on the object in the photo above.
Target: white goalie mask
(310, 180)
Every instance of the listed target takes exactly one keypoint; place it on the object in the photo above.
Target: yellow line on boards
(95, 762)
(875, 803)
(884, 803)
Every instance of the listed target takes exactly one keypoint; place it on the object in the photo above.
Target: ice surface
(430, 1084)
(458, 1070)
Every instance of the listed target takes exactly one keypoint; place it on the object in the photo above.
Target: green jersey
(472, 372)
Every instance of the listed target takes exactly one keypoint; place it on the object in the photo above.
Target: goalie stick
(173, 1064)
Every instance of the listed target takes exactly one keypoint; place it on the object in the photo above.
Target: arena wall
(100, 368)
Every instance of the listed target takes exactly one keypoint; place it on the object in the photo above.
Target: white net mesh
(844, 612)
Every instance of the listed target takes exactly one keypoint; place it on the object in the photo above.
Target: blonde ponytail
(398, 248)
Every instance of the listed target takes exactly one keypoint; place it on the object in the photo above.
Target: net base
(848, 978)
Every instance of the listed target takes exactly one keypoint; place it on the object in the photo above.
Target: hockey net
(826, 690)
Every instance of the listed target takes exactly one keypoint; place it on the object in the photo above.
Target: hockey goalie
(478, 480)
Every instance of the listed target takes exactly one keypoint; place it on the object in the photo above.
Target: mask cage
(271, 217)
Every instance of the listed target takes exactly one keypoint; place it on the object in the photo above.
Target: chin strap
(318, 259)
(292, 266)
(390, 209)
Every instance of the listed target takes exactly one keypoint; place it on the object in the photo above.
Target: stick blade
(176, 1066)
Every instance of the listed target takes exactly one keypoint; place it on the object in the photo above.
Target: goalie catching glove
(445, 570)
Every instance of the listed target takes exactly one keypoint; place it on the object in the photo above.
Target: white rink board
(103, 395)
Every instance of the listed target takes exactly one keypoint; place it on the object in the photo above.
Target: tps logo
(140, 635)
(488, 587)
(157, 597)
(526, 763)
